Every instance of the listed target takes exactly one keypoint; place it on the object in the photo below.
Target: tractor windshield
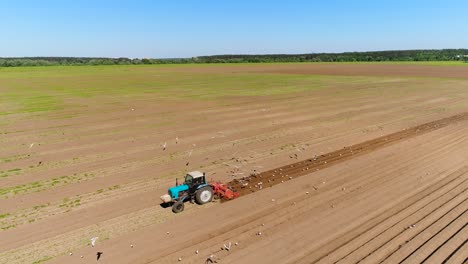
(188, 180)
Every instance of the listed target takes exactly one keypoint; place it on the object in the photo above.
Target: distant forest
(372, 56)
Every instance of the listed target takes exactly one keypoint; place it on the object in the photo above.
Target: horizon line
(227, 54)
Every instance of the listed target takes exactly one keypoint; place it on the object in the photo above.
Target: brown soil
(269, 178)
(408, 207)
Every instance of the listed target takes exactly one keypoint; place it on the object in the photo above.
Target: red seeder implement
(223, 191)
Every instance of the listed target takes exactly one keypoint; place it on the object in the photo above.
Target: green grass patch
(40, 103)
(37, 207)
(45, 89)
(115, 187)
(42, 260)
(39, 186)
(67, 203)
(8, 227)
(40, 90)
(14, 158)
(4, 174)
(4, 215)
(24, 101)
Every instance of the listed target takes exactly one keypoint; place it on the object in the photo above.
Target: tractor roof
(196, 174)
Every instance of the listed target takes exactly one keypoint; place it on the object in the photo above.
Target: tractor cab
(195, 178)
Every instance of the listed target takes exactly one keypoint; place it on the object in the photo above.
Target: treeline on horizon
(372, 56)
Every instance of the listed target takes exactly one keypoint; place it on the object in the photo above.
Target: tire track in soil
(253, 183)
(393, 246)
(457, 255)
(436, 237)
(394, 216)
(449, 240)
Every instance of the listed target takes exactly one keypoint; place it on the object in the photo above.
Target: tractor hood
(174, 191)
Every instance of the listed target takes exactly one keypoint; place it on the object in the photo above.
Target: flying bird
(210, 259)
(228, 247)
(93, 241)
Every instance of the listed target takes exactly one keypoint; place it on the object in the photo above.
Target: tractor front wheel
(204, 195)
(178, 207)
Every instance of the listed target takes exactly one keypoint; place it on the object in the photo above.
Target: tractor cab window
(199, 180)
(188, 180)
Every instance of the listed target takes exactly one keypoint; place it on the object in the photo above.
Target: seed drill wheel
(178, 207)
(204, 195)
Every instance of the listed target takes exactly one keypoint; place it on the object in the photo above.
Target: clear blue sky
(177, 28)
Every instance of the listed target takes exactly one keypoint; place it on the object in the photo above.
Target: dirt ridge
(256, 182)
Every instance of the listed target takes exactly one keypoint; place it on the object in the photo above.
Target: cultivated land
(367, 162)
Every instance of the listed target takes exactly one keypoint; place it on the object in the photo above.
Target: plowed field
(364, 163)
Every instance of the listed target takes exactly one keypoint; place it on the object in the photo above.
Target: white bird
(93, 241)
(177, 140)
(32, 144)
(210, 259)
(228, 247)
(164, 145)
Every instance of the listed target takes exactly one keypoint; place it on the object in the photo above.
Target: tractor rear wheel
(204, 195)
(178, 207)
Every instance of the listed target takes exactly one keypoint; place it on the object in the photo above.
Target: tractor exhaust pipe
(176, 182)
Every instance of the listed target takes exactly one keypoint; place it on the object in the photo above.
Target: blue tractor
(195, 187)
